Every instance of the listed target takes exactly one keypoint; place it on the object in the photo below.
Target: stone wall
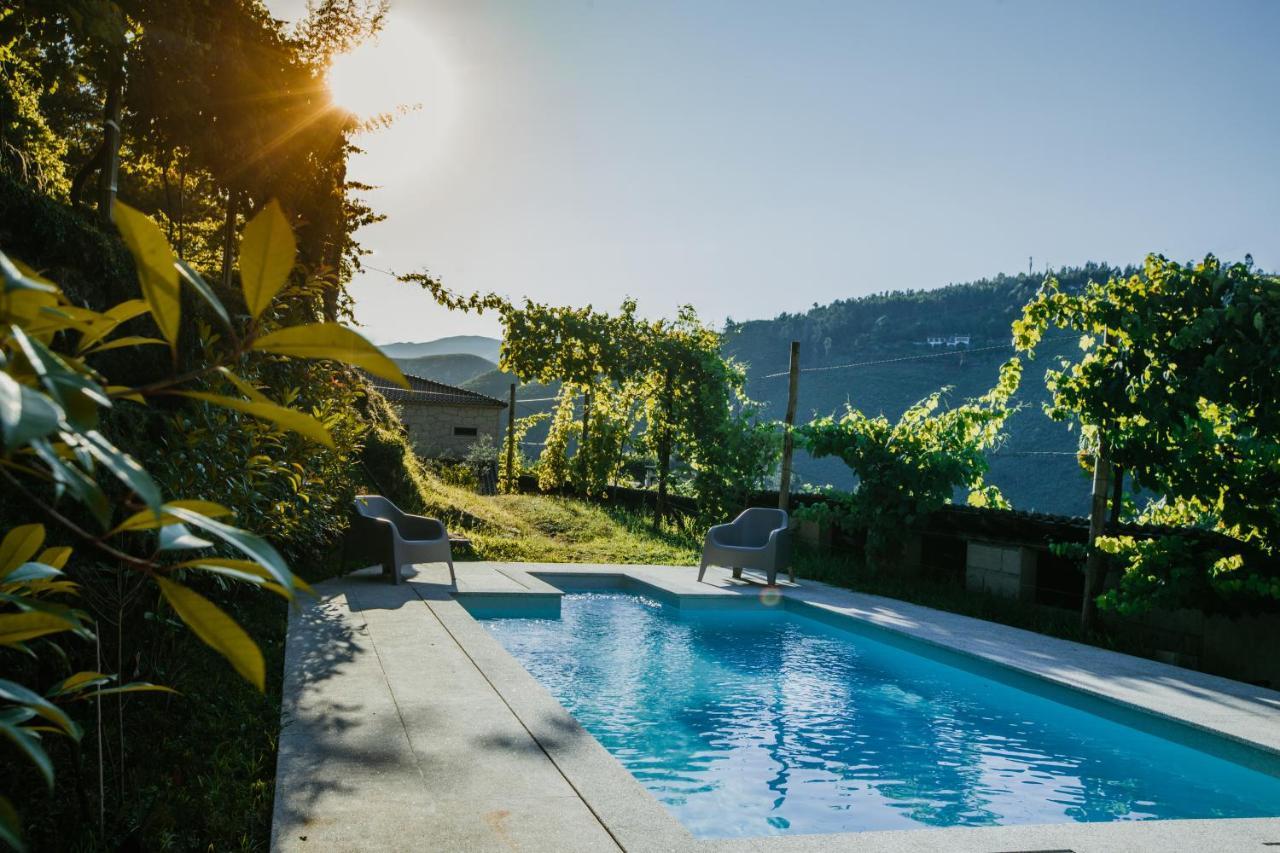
(431, 427)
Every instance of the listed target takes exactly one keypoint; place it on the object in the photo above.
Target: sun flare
(393, 72)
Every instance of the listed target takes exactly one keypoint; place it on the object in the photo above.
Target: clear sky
(757, 157)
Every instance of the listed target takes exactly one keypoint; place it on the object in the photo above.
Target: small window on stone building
(464, 430)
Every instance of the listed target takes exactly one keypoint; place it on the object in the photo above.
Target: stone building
(444, 421)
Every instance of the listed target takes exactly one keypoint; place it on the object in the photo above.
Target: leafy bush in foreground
(52, 401)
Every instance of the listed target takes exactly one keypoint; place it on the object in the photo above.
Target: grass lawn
(550, 529)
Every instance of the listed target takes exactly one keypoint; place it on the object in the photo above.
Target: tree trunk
(1096, 562)
(228, 238)
(107, 180)
(182, 209)
(583, 453)
(664, 450)
(511, 443)
(788, 438)
(1117, 498)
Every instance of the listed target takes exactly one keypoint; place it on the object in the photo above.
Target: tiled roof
(429, 391)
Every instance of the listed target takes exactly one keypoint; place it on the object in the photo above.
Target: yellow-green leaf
(124, 392)
(127, 341)
(19, 627)
(240, 567)
(330, 340)
(244, 387)
(114, 316)
(80, 681)
(289, 419)
(131, 687)
(56, 557)
(156, 271)
(267, 252)
(147, 520)
(216, 629)
(11, 826)
(19, 545)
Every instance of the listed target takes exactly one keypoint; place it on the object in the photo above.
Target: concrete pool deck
(406, 726)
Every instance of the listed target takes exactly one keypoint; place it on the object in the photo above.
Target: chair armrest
(419, 528)
(372, 526)
(722, 534)
(780, 544)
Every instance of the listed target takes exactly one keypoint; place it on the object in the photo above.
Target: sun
(392, 72)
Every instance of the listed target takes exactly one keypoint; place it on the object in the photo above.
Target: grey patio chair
(757, 539)
(401, 538)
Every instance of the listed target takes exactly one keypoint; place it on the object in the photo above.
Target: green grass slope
(546, 528)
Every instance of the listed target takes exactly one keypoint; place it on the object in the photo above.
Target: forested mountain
(899, 322)
(451, 369)
(1035, 469)
(477, 345)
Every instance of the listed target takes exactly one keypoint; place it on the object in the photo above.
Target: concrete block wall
(1008, 570)
(431, 427)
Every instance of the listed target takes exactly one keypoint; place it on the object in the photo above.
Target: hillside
(497, 383)
(1036, 468)
(451, 369)
(477, 345)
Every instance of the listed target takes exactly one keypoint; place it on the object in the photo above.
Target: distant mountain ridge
(451, 369)
(477, 345)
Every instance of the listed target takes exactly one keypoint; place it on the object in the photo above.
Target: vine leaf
(218, 630)
(267, 252)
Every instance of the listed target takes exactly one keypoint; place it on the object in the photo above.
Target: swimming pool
(753, 721)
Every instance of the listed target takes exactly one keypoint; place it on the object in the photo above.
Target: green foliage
(1170, 371)
(51, 413)
(908, 469)
(661, 388)
(520, 462)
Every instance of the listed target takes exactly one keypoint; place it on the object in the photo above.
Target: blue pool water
(768, 721)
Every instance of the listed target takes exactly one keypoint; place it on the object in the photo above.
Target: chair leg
(791, 573)
(771, 578)
(737, 572)
(702, 569)
(452, 577)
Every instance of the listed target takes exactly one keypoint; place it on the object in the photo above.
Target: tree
(1176, 377)
(907, 469)
(594, 355)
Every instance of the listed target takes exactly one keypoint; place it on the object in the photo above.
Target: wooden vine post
(512, 483)
(788, 442)
(583, 450)
(1095, 566)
